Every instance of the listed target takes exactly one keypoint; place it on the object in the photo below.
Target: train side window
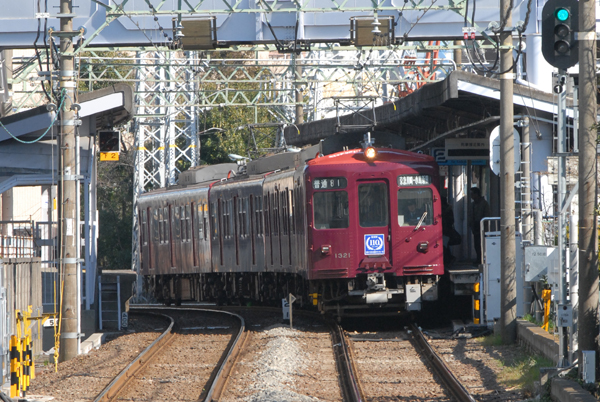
(236, 217)
(214, 216)
(293, 212)
(199, 216)
(231, 222)
(225, 220)
(182, 223)
(373, 210)
(284, 212)
(168, 228)
(176, 223)
(246, 216)
(143, 228)
(156, 226)
(275, 212)
(267, 214)
(188, 215)
(259, 216)
(205, 220)
(330, 209)
(161, 225)
(412, 203)
(299, 221)
(252, 226)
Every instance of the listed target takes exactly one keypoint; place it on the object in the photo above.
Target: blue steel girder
(142, 24)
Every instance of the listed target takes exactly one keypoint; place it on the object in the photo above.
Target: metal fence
(4, 331)
(17, 247)
(22, 281)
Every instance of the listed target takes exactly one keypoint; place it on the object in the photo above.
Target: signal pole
(508, 278)
(587, 322)
(69, 336)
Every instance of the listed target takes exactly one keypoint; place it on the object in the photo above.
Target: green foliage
(236, 139)
(492, 340)
(524, 372)
(233, 119)
(531, 319)
(519, 370)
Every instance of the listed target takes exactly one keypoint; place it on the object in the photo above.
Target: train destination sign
(414, 180)
(329, 183)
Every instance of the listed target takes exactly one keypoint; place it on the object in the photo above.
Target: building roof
(444, 109)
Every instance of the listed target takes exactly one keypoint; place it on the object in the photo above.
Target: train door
(374, 225)
(417, 249)
(332, 251)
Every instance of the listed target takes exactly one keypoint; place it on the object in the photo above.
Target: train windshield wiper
(420, 221)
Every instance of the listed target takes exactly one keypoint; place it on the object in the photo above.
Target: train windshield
(330, 209)
(373, 205)
(412, 204)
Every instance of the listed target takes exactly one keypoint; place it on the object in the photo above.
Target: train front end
(375, 231)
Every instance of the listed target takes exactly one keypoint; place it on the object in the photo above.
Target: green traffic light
(562, 14)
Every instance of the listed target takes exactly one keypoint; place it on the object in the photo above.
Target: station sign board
(439, 155)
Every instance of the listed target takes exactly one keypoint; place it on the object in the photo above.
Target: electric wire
(37, 52)
(45, 132)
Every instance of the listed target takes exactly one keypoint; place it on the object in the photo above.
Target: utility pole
(561, 122)
(588, 236)
(69, 335)
(6, 76)
(508, 279)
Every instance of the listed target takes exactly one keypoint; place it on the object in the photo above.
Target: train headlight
(370, 152)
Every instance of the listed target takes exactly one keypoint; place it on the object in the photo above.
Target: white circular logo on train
(374, 244)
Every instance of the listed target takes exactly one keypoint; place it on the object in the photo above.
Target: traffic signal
(109, 143)
(560, 22)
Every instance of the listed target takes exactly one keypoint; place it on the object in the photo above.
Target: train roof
(383, 155)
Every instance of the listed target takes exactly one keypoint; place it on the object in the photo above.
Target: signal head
(559, 26)
(562, 14)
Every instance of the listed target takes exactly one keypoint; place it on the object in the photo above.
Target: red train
(358, 229)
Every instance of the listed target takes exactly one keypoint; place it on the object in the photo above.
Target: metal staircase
(109, 302)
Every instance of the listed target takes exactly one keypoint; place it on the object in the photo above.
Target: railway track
(181, 351)
(136, 378)
(316, 360)
(413, 370)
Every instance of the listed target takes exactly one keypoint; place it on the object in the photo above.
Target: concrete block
(93, 342)
(537, 340)
(563, 390)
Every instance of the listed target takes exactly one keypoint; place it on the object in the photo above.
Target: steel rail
(351, 390)
(349, 384)
(120, 381)
(220, 381)
(453, 385)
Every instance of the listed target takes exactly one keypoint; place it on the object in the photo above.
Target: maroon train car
(351, 232)
(365, 244)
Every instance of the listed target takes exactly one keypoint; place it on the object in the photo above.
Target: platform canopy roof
(28, 154)
(457, 106)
